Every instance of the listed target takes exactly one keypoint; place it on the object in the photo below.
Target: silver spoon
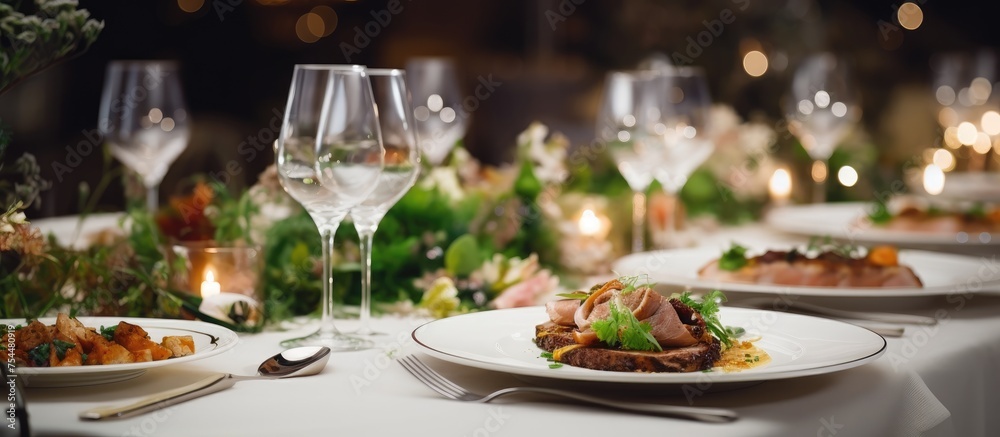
(300, 361)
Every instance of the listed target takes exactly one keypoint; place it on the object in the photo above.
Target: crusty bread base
(700, 356)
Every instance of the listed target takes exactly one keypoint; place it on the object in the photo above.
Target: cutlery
(300, 361)
(772, 304)
(450, 390)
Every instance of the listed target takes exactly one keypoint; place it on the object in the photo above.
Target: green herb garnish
(977, 211)
(62, 347)
(553, 364)
(880, 214)
(734, 258)
(579, 295)
(40, 355)
(109, 332)
(826, 244)
(708, 307)
(621, 328)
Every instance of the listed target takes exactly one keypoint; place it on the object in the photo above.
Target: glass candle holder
(227, 279)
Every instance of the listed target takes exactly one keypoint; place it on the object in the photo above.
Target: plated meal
(68, 342)
(826, 265)
(624, 327)
(919, 215)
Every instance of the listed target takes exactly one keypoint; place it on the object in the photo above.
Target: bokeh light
(847, 176)
(755, 63)
(910, 16)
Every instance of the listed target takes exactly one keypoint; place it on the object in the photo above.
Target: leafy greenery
(621, 328)
(62, 347)
(879, 214)
(708, 307)
(39, 355)
(734, 258)
(39, 34)
(579, 295)
(826, 244)
(109, 332)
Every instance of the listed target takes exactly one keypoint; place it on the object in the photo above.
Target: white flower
(17, 218)
(445, 180)
(441, 299)
(549, 158)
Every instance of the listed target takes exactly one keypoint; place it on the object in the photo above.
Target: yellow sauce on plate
(742, 356)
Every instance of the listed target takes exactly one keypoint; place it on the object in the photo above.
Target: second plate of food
(941, 274)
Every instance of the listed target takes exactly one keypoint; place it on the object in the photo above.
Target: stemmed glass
(685, 105)
(329, 159)
(627, 123)
(143, 119)
(964, 86)
(402, 165)
(821, 108)
(437, 101)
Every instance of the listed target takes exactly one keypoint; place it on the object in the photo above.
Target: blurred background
(546, 61)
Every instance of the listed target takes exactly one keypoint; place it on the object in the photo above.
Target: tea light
(592, 225)
(933, 179)
(209, 287)
(780, 186)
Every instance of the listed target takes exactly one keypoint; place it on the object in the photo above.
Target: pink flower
(526, 293)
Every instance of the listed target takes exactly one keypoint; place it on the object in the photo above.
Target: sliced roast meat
(562, 311)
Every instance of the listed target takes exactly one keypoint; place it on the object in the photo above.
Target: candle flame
(933, 180)
(209, 276)
(209, 287)
(780, 184)
(590, 225)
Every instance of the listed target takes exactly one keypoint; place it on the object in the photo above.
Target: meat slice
(699, 356)
(562, 311)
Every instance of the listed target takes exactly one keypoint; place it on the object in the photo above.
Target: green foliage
(462, 256)
(622, 329)
(232, 219)
(40, 33)
(708, 307)
(734, 258)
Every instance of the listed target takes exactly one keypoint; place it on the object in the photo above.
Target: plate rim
(772, 219)
(876, 292)
(655, 378)
(226, 338)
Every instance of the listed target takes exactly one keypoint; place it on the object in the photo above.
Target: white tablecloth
(939, 380)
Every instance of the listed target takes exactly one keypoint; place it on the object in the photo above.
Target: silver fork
(450, 390)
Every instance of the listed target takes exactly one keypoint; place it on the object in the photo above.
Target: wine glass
(329, 159)
(685, 108)
(964, 85)
(143, 119)
(627, 123)
(821, 108)
(402, 165)
(437, 102)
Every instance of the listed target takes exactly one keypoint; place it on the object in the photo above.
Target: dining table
(933, 380)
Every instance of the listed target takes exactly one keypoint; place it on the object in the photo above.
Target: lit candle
(209, 287)
(780, 186)
(589, 224)
(933, 179)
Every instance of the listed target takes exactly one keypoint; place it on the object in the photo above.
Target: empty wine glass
(685, 109)
(143, 119)
(964, 85)
(627, 123)
(437, 102)
(821, 108)
(329, 159)
(402, 165)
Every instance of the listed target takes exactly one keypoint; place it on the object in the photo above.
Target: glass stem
(327, 328)
(365, 236)
(638, 221)
(670, 231)
(152, 201)
(819, 183)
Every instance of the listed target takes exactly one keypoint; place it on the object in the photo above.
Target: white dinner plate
(967, 186)
(70, 231)
(209, 340)
(502, 341)
(941, 274)
(849, 222)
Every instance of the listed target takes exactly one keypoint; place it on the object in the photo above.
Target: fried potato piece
(106, 352)
(73, 329)
(71, 356)
(135, 339)
(180, 346)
